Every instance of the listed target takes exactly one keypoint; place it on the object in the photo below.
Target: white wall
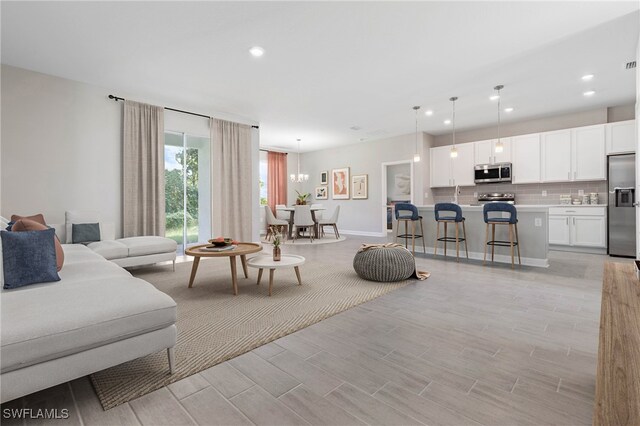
(61, 146)
(363, 217)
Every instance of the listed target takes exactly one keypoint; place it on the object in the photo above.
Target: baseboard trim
(363, 233)
(574, 249)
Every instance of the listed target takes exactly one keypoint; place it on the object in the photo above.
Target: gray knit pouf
(384, 264)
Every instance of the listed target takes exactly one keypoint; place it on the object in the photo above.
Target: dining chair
(281, 213)
(272, 222)
(302, 220)
(316, 214)
(332, 221)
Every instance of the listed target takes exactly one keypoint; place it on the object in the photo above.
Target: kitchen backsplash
(525, 193)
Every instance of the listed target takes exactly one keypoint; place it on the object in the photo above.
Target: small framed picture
(322, 193)
(360, 187)
(340, 183)
(324, 177)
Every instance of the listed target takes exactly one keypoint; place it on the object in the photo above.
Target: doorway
(397, 187)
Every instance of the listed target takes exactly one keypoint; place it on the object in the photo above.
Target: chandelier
(299, 177)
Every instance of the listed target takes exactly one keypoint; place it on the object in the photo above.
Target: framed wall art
(324, 177)
(360, 187)
(322, 193)
(340, 183)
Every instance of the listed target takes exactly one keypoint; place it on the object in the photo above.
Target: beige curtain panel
(143, 204)
(232, 179)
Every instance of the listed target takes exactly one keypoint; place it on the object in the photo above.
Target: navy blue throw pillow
(10, 225)
(29, 257)
(85, 233)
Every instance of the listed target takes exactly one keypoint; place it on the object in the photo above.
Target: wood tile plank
(265, 374)
(209, 407)
(91, 410)
(227, 380)
(262, 408)
(160, 408)
(315, 379)
(367, 408)
(315, 409)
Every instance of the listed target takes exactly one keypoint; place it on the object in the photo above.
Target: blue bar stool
(511, 221)
(450, 213)
(406, 212)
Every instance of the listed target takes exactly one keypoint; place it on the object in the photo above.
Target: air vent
(630, 65)
(355, 128)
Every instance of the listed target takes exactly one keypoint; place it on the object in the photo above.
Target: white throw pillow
(71, 217)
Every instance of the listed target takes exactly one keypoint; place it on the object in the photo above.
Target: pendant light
(299, 178)
(416, 156)
(454, 150)
(499, 146)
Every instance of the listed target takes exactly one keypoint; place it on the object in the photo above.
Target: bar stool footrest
(450, 239)
(501, 243)
(408, 236)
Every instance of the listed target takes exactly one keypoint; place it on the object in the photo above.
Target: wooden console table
(617, 399)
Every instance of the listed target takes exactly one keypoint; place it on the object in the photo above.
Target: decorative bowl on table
(222, 242)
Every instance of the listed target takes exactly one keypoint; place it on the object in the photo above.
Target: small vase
(276, 254)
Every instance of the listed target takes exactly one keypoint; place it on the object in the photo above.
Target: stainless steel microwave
(491, 173)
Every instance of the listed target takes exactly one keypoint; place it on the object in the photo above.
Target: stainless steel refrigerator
(621, 211)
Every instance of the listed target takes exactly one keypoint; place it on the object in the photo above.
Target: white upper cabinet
(486, 151)
(621, 137)
(463, 165)
(447, 171)
(525, 157)
(440, 166)
(556, 156)
(588, 153)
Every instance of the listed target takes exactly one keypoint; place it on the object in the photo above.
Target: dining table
(292, 212)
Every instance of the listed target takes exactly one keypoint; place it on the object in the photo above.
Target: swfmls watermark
(39, 413)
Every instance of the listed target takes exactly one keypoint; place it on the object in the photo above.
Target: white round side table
(266, 262)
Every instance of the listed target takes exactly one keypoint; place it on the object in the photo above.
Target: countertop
(523, 207)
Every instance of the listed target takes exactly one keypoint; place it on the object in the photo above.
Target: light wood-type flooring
(471, 345)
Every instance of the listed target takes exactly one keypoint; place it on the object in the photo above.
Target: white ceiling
(329, 66)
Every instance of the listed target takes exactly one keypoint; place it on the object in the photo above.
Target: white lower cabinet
(559, 230)
(589, 231)
(578, 226)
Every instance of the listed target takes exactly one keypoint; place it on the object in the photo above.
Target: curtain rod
(116, 98)
(268, 150)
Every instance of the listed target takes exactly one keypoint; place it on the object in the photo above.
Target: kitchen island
(533, 222)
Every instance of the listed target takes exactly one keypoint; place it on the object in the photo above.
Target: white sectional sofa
(95, 317)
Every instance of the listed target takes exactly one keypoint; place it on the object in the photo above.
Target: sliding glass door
(187, 160)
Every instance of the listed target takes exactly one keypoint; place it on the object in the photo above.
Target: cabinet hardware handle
(574, 220)
(567, 221)
(574, 175)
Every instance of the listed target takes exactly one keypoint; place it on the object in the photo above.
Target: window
(264, 176)
(187, 162)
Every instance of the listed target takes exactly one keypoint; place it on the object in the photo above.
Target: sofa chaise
(97, 316)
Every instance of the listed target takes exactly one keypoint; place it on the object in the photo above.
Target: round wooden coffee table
(242, 250)
(267, 262)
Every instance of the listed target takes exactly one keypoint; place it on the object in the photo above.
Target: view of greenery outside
(174, 194)
(263, 198)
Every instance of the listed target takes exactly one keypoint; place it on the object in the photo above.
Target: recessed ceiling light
(587, 77)
(589, 93)
(447, 121)
(508, 109)
(256, 51)
(428, 113)
(494, 97)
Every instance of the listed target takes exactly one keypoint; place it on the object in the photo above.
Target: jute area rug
(214, 326)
